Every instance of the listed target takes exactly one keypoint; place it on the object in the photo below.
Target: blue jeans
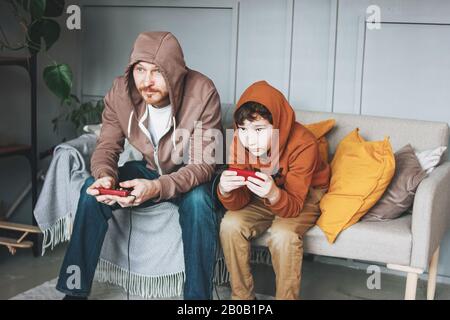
(199, 222)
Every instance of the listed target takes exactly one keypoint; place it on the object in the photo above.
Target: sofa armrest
(431, 215)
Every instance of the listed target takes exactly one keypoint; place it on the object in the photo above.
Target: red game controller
(114, 192)
(245, 173)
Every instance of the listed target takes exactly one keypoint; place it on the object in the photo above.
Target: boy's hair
(250, 111)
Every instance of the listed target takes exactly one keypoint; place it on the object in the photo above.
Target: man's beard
(145, 92)
(148, 90)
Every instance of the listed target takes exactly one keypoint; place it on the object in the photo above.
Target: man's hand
(264, 189)
(104, 182)
(143, 190)
(229, 181)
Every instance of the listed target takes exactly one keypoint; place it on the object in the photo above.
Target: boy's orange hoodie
(300, 165)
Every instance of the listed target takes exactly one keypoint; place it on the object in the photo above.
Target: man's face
(256, 136)
(151, 84)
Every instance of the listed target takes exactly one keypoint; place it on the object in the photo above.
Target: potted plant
(40, 31)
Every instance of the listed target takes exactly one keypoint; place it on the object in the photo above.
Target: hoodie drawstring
(173, 133)
(129, 123)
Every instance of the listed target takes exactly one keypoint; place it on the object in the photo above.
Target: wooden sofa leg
(432, 274)
(411, 279)
(411, 286)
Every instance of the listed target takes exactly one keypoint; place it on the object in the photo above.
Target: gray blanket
(58, 200)
(156, 250)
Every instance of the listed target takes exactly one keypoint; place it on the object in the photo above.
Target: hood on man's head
(283, 115)
(163, 50)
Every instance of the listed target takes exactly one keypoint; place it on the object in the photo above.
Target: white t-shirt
(159, 121)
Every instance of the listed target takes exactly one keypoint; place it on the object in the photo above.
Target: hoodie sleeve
(197, 171)
(238, 198)
(110, 142)
(302, 165)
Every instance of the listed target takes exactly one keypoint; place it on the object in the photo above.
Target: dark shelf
(15, 61)
(13, 150)
(30, 151)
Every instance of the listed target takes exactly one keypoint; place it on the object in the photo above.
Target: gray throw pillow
(399, 195)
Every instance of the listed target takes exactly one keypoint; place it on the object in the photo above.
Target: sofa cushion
(319, 130)
(399, 196)
(429, 159)
(360, 173)
(384, 242)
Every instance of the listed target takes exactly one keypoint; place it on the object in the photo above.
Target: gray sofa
(409, 243)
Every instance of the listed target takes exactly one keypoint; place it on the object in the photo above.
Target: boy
(288, 205)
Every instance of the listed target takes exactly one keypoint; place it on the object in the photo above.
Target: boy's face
(256, 135)
(151, 84)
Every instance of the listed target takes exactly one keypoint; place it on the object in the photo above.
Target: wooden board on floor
(13, 243)
(19, 227)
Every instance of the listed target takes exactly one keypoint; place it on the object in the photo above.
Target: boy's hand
(229, 181)
(143, 190)
(264, 189)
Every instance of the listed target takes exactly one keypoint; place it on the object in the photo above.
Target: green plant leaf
(71, 100)
(54, 8)
(37, 9)
(83, 114)
(25, 4)
(45, 29)
(74, 97)
(59, 80)
(100, 105)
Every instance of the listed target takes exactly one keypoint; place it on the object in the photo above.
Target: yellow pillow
(319, 130)
(360, 173)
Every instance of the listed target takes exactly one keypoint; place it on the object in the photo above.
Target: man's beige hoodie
(193, 98)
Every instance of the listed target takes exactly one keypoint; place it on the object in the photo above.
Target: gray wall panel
(205, 35)
(407, 71)
(313, 48)
(264, 43)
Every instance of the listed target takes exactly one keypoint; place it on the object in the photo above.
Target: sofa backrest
(422, 135)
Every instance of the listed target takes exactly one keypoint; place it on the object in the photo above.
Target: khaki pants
(285, 244)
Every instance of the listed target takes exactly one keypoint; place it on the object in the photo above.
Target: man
(157, 97)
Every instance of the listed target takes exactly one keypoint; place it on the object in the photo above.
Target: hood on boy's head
(163, 50)
(283, 115)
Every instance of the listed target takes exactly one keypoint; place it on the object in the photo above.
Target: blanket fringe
(59, 232)
(145, 286)
(164, 286)
(260, 255)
